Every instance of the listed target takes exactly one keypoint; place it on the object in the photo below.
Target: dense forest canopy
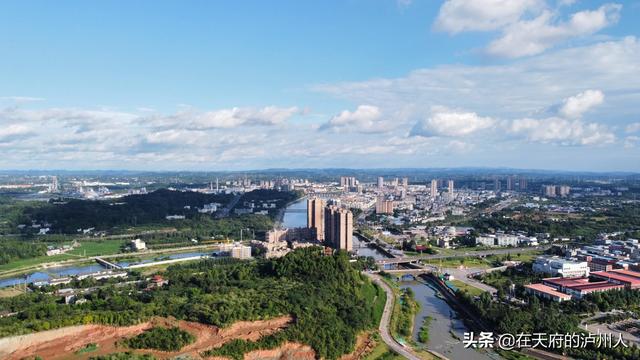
(68, 215)
(159, 338)
(330, 301)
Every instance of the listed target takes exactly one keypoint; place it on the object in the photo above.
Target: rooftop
(595, 286)
(548, 290)
(567, 282)
(630, 279)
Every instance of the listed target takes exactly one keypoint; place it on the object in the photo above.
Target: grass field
(524, 257)
(100, 247)
(9, 292)
(90, 248)
(382, 352)
(471, 290)
(378, 297)
(456, 262)
(17, 264)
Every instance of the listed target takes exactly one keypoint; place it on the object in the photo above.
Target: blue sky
(173, 85)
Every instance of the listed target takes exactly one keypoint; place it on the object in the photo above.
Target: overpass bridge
(399, 260)
(409, 271)
(108, 264)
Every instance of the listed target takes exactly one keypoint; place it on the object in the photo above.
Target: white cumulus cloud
(234, 117)
(562, 131)
(365, 118)
(14, 131)
(575, 106)
(481, 15)
(532, 37)
(451, 123)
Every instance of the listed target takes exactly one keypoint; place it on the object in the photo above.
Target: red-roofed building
(630, 279)
(158, 281)
(579, 287)
(546, 292)
(560, 283)
(580, 291)
(635, 274)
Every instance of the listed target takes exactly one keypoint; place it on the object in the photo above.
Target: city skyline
(410, 84)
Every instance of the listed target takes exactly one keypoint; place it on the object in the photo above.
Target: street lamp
(252, 233)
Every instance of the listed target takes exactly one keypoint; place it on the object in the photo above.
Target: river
(446, 330)
(296, 214)
(63, 271)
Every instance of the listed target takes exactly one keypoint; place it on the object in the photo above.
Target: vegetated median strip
(423, 335)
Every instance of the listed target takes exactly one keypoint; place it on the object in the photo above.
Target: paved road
(227, 209)
(463, 275)
(386, 318)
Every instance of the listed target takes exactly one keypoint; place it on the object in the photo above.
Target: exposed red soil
(64, 342)
(364, 345)
(287, 351)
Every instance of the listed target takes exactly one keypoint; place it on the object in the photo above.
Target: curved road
(386, 318)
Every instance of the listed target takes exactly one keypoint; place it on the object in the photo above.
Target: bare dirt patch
(63, 343)
(286, 351)
(364, 345)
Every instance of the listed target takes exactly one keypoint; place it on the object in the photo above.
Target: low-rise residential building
(272, 249)
(497, 240)
(241, 252)
(138, 245)
(444, 242)
(601, 264)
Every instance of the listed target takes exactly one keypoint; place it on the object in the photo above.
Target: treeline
(11, 250)
(329, 300)
(236, 348)
(279, 198)
(615, 218)
(66, 216)
(124, 356)
(159, 338)
(541, 316)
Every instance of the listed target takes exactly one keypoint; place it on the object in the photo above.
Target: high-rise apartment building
(380, 182)
(338, 227)
(434, 188)
(523, 184)
(384, 206)
(563, 190)
(405, 182)
(348, 181)
(510, 183)
(315, 221)
(450, 187)
(549, 190)
(497, 185)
